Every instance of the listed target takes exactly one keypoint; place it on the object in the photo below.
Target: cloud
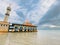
(39, 11)
(47, 25)
(52, 16)
(33, 10)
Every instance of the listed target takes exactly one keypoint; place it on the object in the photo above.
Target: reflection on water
(42, 37)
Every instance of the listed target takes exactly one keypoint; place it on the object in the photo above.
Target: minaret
(7, 13)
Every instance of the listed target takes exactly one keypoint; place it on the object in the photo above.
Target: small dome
(27, 23)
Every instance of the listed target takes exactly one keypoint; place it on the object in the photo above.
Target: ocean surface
(42, 37)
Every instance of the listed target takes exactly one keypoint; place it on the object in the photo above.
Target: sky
(43, 13)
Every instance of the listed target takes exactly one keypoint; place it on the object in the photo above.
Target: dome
(27, 23)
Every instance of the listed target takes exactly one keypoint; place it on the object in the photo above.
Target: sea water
(42, 37)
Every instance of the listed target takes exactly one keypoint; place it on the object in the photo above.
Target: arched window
(1, 25)
(16, 28)
(21, 28)
(4, 25)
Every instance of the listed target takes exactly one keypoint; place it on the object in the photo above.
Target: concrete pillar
(35, 29)
(23, 28)
(32, 29)
(26, 29)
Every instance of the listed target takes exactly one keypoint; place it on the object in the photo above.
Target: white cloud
(48, 25)
(51, 26)
(42, 7)
(35, 15)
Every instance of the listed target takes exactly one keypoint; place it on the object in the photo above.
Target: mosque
(5, 26)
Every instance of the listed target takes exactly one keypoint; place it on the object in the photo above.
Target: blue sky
(43, 13)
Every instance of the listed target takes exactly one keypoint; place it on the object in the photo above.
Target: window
(6, 25)
(1, 24)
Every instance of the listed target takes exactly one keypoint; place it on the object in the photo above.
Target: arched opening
(28, 29)
(21, 28)
(16, 29)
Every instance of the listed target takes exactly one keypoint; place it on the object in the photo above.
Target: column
(23, 28)
(26, 29)
(35, 29)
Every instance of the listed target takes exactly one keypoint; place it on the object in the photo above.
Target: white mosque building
(6, 27)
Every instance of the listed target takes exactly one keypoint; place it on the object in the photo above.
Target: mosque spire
(7, 13)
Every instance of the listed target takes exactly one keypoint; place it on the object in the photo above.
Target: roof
(24, 25)
(27, 23)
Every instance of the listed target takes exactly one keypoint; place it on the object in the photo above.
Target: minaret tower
(7, 13)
